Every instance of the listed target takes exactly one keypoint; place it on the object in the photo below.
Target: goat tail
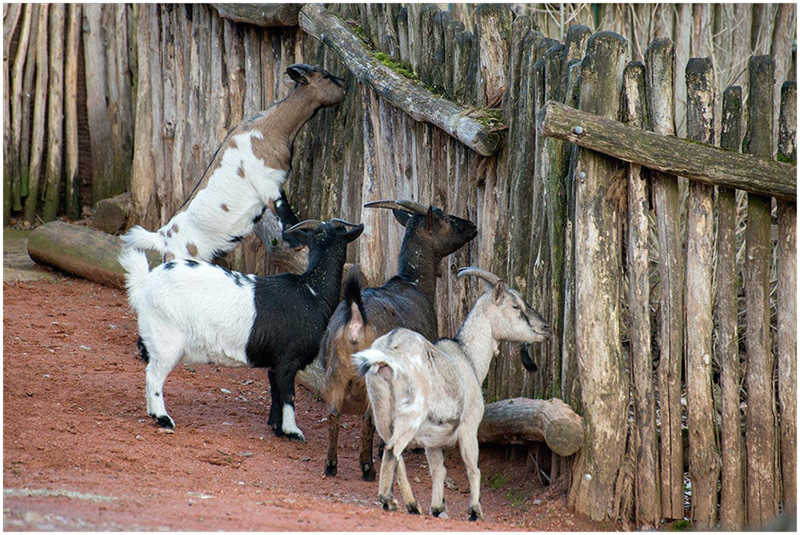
(366, 359)
(352, 288)
(356, 326)
(134, 262)
(140, 238)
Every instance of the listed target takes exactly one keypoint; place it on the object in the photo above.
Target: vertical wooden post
(72, 201)
(731, 512)
(570, 378)
(597, 273)
(648, 508)
(39, 104)
(11, 17)
(55, 113)
(787, 305)
(762, 491)
(660, 62)
(703, 455)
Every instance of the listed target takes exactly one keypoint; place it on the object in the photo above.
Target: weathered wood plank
(648, 508)
(264, 15)
(670, 155)
(55, 113)
(659, 70)
(11, 17)
(416, 101)
(762, 490)
(731, 513)
(597, 274)
(703, 455)
(787, 305)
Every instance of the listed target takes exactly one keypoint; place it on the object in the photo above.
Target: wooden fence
(638, 271)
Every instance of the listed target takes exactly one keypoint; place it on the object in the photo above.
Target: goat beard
(525, 357)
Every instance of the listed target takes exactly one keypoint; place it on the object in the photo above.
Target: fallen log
(690, 159)
(406, 94)
(111, 215)
(264, 15)
(81, 251)
(522, 420)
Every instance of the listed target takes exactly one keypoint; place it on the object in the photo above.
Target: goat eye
(515, 306)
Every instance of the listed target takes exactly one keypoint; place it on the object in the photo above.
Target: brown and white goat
(406, 300)
(429, 395)
(245, 175)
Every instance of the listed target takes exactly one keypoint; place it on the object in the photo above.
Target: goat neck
(418, 264)
(293, 112)
(477, 340)
(324, 273)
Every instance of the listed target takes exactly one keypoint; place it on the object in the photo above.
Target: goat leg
(365, 458)
(438, 474)
(332, 461)
(387, 480)
(405, 488)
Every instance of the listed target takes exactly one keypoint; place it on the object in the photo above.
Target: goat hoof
(330, 469)
(296, 437)
(164, 421)
(367, 472)
(475, 514)
(413, 508)
(389, 504)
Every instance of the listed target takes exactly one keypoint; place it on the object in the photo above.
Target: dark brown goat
(406, 300)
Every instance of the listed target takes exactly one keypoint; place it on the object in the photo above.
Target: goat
(198, 312)
(406, 300)
(429, 395)
(245, 175)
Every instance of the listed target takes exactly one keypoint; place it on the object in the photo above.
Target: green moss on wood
(787, 158)
(403, 69)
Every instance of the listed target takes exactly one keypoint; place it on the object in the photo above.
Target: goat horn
(412, 207)
(343, 222)
(302, 225)
(491, 278)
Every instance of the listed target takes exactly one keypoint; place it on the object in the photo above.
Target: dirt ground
(80, 452)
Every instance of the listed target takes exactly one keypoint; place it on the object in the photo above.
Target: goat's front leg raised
(438, 474)
(468, 444)
(365, 458)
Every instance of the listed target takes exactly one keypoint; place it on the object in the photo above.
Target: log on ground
(81, 251)
(522, 420)
(111, 215)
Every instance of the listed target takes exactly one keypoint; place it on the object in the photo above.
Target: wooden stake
(731, 512)
(762, 491)
(597, 276)
(787, 306)
(648, 508)
(703, 454)
(15, 155)
(72, 200)
(40, 101)
(55, 113)
(660, 61)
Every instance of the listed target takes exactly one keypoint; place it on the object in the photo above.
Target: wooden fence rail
(625, 259)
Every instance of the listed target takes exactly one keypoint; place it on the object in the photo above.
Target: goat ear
(429, 218)
(354, 233)
(297, 75)
(402, 217)
(498, 291)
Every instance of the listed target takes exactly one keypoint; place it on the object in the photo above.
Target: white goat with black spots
(429, 395)
(245, 175)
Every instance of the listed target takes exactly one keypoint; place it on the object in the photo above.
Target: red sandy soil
(80, 452)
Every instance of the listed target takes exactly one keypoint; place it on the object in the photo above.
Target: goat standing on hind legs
(245, 175)
(429, 395)
(406, 300)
